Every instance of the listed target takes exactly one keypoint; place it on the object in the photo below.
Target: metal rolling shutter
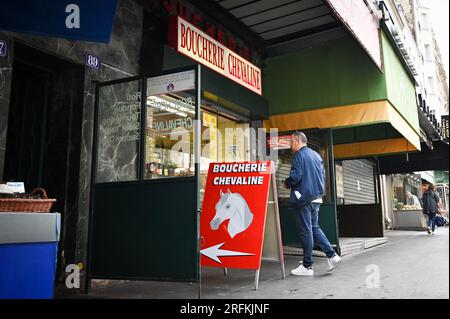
(359, 182)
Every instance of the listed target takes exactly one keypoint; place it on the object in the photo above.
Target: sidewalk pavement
(411, 265)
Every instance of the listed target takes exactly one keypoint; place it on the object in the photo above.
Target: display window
(145, 128)
(169, 143)
(169, 115)
(169, 137)
(118, 133)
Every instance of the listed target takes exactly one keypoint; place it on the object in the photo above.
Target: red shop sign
(201, 47)
(233, 223)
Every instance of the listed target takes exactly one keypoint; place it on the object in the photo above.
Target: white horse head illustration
(232, 206)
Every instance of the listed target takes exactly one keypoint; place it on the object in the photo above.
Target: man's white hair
(301, 137)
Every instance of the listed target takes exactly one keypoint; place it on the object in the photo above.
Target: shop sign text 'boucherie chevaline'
(199, 46)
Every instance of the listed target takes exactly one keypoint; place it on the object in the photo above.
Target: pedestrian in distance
(413, 200)
(306, 182)
(430, 207)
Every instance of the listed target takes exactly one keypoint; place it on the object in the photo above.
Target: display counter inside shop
(28, 254)
(410, 219)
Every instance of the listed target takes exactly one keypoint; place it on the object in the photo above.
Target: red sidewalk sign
(233, 224)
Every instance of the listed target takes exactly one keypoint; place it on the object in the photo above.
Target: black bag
(440, 221)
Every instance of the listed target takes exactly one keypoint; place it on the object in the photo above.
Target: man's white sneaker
(429, 230)
(333, 261)
(302, 271)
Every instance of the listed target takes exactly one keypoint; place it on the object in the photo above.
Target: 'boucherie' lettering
(182, 9)
(202, 47)
(240, 168)
(234, 168)
(194, 43)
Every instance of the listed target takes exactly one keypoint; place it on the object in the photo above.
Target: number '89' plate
(92, 61)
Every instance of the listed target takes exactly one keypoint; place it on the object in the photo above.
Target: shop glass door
(224, 139)
(144, 217)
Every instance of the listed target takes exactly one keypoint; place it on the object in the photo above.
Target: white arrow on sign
(214, 252)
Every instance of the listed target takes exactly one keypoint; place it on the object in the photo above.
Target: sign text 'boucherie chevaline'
(199, 46)
(234, 214)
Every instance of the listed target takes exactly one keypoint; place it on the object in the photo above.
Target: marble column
(6, 65)
(120, 58)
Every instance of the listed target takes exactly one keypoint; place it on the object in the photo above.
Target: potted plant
(397, 204)
(171, 167)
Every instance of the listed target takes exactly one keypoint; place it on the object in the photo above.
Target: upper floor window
(430, 83)
(428, 55)
(424, 20)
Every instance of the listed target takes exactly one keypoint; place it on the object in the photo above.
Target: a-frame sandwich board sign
(240, 224)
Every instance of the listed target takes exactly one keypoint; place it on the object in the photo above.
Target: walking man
(306, 182)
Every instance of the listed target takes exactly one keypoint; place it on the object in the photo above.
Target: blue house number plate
(2, 48)
(92, 61)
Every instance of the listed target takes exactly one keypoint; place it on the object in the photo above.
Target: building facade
(51, 77)
(99, 138)
(410, 24)
(434, 88)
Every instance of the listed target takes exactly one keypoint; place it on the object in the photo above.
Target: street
(411, 265)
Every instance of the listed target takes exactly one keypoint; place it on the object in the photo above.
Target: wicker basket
(28, 205)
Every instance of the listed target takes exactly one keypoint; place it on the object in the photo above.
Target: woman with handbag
(430, 207)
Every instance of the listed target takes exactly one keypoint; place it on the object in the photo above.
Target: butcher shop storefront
(154, 138)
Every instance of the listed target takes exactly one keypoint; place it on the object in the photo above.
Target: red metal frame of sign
(234, 214)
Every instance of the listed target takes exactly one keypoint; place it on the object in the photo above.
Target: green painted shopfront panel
(331, 74)
(364, 133)
(144, 231)
(241, 100)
